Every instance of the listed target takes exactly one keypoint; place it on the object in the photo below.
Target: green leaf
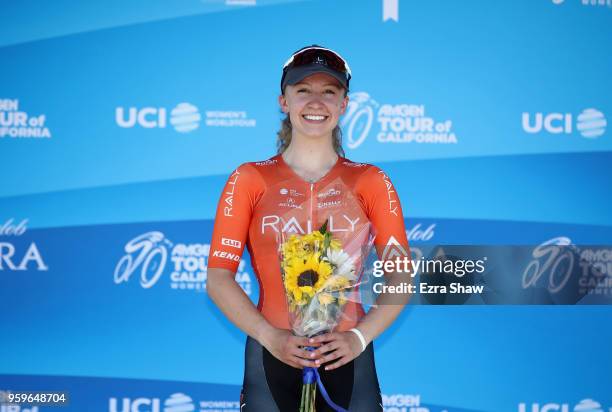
(326, 241)
(323, 229)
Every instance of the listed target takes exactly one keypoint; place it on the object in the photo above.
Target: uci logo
(176, 402)
(185, 117)
(586, 405)
(591, 123)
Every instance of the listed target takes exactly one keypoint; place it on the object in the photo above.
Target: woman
(310, 176)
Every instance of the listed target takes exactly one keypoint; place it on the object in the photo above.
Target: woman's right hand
(288, 348)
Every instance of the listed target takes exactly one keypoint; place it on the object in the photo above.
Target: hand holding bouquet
(321, 273)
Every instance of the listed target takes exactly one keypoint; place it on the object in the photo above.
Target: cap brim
(298, 74)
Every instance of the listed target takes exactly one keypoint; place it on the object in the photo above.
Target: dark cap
(315, 59)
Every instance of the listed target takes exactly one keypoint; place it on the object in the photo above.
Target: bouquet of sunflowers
(321, 274)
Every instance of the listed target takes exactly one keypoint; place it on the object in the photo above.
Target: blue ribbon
(310, 375)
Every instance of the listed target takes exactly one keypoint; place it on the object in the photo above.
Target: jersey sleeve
(233, 217)
(383, 208)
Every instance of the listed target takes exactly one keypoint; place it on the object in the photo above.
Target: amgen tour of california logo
(590, 123)
(399, 123)
(16, 123)
(401, 402)
(151, 255)
(585, 405)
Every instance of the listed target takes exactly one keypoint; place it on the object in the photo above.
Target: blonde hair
(284, 137)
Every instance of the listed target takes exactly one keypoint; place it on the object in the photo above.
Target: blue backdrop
(121, 120)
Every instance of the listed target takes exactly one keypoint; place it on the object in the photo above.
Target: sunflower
(292, 248)
(305, 276)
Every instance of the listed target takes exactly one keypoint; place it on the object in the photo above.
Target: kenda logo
(16, 123)
(585, 405)
(390, 10)
(590, 123)
(185, 117)
(399, 123)
(147, 256)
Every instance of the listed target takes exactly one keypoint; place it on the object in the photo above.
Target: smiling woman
(307, 185)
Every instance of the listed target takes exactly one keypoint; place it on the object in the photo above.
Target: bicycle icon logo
(149, 253)
(358, 119)
(551, 256)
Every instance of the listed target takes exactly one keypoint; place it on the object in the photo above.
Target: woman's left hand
(342, 347)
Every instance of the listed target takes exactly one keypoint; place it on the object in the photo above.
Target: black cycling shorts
(273, 386)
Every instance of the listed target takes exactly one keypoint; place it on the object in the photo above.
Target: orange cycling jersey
(262, 199)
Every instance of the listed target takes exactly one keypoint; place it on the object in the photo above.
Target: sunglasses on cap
(316, 55)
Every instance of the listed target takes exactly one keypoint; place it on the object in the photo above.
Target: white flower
(344, 264)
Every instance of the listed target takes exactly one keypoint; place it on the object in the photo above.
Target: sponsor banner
(15, 122)
(393, 123)
(589, 124)
(18, 249)
(140, 286)
(123, 395)
(183, 118)
(130, 395)
(153, 259)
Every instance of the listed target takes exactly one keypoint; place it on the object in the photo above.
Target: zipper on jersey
(311, 217)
